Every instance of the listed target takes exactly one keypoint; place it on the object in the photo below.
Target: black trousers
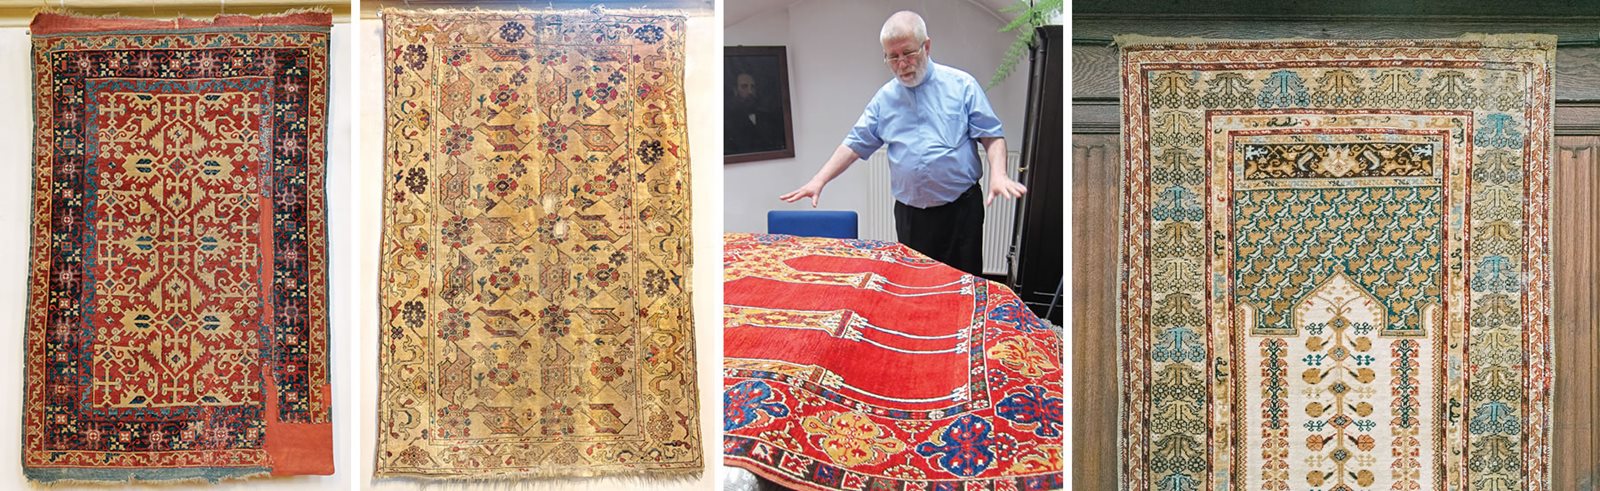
(951, 233)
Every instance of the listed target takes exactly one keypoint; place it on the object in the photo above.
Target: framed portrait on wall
(757, 123)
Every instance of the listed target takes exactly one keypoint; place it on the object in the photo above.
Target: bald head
(904, 24)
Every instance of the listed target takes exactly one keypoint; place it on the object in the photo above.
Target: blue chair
(813, 223)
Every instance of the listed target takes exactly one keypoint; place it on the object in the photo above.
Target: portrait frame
(769, 66)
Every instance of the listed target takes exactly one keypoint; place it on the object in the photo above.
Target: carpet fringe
(563, 479)
(596, 11)
(1511, 40)
(67, 12)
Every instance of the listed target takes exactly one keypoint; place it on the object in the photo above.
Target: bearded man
(932, 118)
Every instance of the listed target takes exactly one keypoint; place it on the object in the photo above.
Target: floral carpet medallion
(177, 307)
(535, 289)
(1336, 270)
(863, 365)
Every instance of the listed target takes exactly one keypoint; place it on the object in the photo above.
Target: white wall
(835, 65)
(16, 178)
(703, 94)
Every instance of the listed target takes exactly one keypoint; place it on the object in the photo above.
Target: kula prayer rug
(536, 247)
(863, 365)
(1336, 270)
(177, 306)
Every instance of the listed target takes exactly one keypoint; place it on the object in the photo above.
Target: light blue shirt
(930, 130)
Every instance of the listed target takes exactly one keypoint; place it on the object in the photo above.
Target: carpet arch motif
(855, 364)
(1336, 264)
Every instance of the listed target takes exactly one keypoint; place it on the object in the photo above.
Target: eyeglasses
(893, 59)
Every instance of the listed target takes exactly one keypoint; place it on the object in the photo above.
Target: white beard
(922, 75)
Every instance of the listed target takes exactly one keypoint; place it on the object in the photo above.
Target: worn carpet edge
(1509, 40)
(559, 473)
(50, 21)
(70, 476)
(593, 11)
(768, 474)
(786, 481)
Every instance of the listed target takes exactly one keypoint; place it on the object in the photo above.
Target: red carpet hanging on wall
(1336, 264)
(177, 320)
(864, 365)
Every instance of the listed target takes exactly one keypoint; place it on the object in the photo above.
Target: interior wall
(835, 65)
(16, 178)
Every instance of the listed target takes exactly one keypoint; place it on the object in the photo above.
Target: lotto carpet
(856, 364)
(177, 306)
(1336, 264)
(536, 251)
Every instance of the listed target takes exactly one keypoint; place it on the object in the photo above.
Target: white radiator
(877, 220)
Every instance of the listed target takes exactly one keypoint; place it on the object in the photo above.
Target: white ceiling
(736, 11)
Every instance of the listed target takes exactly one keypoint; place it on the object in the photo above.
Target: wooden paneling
(1094, 68)
(1096, 184)
(1094, 72)
(1325, 27)
(1576, 444)
(1385, 9)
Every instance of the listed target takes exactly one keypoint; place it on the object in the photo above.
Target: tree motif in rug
(864, 365)
(177, 314)
(1336, 264)
(536, 247)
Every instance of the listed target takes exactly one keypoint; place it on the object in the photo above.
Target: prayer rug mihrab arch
(177, 307)
(536, 247)
(859, 365)
(1336, 264)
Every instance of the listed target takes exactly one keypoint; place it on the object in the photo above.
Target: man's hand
(811, 190)
(1002, 185)
(841, 160)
